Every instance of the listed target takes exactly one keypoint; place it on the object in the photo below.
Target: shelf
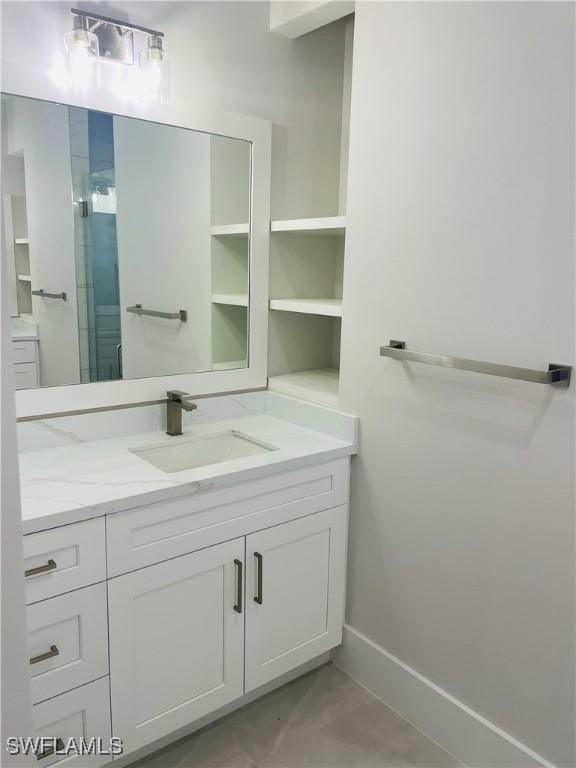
(228, 365)
(319, 386)
(24, 278)
(327, 225)
(327, 307)
(231, 299)
(230, 230)
(21, 241)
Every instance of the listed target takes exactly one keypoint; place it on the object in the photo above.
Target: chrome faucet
(176, 403)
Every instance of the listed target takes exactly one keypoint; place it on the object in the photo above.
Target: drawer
(156, 532)
(63, 559)
(25, 375)
(23, 351)
(81, 713)
(67, 641)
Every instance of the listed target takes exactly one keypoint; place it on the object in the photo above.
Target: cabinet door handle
(50, 566)
(58, 745)
(239, 585)
(258, 596)
(47, 655)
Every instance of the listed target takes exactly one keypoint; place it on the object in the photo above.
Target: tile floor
(321, 720)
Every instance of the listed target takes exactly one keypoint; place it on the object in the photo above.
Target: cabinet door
(295, 584)
(176, 642)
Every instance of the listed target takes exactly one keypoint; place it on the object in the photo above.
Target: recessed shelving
(326, 307)
(21, 241)
(327, 225)
(24, 278)
(319, 386)
(231, 299)
(230, 230)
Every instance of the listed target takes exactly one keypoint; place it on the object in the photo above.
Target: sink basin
(201, 451)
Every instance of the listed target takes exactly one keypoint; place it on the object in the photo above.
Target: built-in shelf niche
(229, 336)
(319, 386)
(229, 252)
(306, 275)
(17, 244)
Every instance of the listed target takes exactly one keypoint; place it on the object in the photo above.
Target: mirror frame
(100, 395)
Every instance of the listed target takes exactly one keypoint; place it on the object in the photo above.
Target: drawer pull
(238, 604)
(43, 656)
(50, 566)
(58, 746)
(258, 597)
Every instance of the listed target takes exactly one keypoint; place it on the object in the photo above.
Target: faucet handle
(177, 395)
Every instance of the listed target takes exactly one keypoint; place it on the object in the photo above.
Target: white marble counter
(82, 478)
(23, 329)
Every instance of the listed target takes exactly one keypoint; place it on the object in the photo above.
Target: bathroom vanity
(181, 558)
(157, 596)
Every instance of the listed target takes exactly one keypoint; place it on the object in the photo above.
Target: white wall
(163, 229)
(461, 241)
(224, 52)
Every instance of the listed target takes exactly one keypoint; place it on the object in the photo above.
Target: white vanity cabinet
(205, 598)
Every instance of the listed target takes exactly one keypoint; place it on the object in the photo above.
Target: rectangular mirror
(127, 245)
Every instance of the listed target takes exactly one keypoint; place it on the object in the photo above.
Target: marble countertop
(24, 330)
(75, 482)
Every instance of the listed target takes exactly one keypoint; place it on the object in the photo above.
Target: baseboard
(188, 730)
(471, 738)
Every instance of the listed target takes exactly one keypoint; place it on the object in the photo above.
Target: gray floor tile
(321, 720)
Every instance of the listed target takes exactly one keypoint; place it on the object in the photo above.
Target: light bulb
(154, 70)
(82, 50)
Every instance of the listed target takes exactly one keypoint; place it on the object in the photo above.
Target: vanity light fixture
(137, 54)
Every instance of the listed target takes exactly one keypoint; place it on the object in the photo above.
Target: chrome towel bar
(138, 309)
(46, 295)
(556, 374)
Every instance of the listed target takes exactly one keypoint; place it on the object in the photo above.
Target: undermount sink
(201, 451)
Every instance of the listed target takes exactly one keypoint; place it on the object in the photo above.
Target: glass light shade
(154, 71)
(82, 51)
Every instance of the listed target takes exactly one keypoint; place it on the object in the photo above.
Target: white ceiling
(148, 13)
